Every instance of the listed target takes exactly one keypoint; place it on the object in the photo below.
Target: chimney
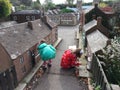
(108, 42)
(94, 16)
(30, 25)
(45, 18)
(99, 20)
(96, 5)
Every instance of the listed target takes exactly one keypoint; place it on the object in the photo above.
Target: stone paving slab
(83, 72)
(58, 82)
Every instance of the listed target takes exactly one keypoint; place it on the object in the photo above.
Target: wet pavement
(56, 78)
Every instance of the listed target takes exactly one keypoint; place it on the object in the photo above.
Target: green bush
(97, 88)
(111, 59)
(5, 8)
(66, 10)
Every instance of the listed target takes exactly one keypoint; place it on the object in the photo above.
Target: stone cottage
(64, 18)
(96, 37)
(93, 13)
(18, 43)
(25, 15)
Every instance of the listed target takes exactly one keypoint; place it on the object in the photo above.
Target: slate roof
(53, 12)
(89, 25)
(87, 9)
(73, 9)
(27, 12)
(19, 38)
(96, 41)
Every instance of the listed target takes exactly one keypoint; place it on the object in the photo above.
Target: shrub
(111, 59)
(66, 10)
(5, 8)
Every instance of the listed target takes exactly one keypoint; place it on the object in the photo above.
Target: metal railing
(99, 75)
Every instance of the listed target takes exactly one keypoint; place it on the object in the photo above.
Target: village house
(68, 19)
(93, 13)
(64, 18)
(54, 15)
(96, 37)
(25, 15)
(18, 45)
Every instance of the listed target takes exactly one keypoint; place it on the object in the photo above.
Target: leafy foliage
(36, 5)
(48, 4)
(103, 5)
(26, 2)
(111, 59)
(70, 2)
(66, 10)
(98, 88)
(5, 8)
(15, 2)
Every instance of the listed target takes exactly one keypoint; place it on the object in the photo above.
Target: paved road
(56, 78)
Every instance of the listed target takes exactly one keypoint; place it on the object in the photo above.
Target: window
(15, 18)
(28, 18)
(23, 69)
(21, 60)
(33, 17)
(29, 52)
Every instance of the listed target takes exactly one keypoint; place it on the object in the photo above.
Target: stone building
(64, 18)
(18, 43)
(25, 15)
(95, 36)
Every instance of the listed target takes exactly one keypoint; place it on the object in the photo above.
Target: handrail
(99, 75)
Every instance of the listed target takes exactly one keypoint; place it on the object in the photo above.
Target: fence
(99, 75)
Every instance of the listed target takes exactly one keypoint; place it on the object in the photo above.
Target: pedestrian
(47, 52)
(69, 58)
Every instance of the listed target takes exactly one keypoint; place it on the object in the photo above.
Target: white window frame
(28, 18)
(14, 17)
(21, 60)
(33, 18)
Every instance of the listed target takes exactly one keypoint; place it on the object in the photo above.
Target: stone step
(83, 72)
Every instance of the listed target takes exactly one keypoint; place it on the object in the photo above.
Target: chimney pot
(96, 5)
(99, 19)
(30, 25)
(94, 16)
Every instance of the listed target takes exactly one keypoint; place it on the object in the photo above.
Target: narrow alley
(56, 78)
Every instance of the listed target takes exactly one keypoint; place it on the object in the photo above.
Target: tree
(49, 4)
(15, 2)
(37, 5)
(5, 8)
(48, 1)
(111, 60)
(102, 4)
(69, 2)
(26, 2)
